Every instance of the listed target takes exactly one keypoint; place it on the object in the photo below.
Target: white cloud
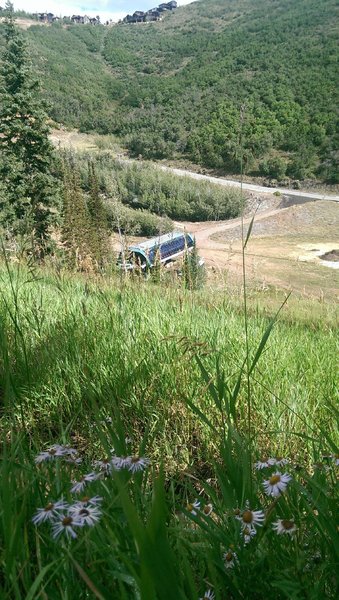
(77, 7)
(65, 8)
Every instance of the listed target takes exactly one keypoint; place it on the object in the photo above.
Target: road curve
(250, 186)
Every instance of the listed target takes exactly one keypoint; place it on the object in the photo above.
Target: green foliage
(155, 195)
(176, 88)
(91, 364)
(26, 162)
(186, 79)
(193, 271)
(85, 232)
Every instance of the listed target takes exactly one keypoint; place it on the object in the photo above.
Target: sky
(107, 9)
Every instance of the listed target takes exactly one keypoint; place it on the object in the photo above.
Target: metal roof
(157, 241)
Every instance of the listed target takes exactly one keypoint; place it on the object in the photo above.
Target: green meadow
(154, 404)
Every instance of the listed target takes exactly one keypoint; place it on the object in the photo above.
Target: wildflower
(284, 526)
(251, 518)
(281, 462)
(49, 454)
(208, 595)
(119, 462)
(276, 484)
(137, 463)
(85, 500)
(335, 458)
(104, 465)
(230, 559)
(50, 512)
(264, 463)
(208, 508)
(192, 508)
(248, 533)
(66, 525)
(78, 486)
(86, 515)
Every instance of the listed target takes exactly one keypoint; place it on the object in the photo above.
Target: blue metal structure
(170, 246)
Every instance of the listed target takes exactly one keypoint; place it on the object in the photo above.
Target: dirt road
(251, 187)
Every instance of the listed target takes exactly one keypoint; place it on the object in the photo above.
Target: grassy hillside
(143, 371)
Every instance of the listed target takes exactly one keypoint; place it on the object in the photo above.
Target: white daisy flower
(207, 510)
(137, 463)
(208, 595)
(251, 518)
(230, 559)
(276, 484)
(119, 462)
(248, 534)
(281, 462)
(66, 525)
(87, 500)
(263, 464)
(193, 508)
(79, 486)
(87, 515)
(50, 512)
(284, 526)
(49, 454)
(104, 465)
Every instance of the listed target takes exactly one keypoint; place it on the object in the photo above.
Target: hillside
(75, 80)
(175, 88)
(185, 79)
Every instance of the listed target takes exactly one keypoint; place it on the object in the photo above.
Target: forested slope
(75, 79)
(185, 79)
(210, 74)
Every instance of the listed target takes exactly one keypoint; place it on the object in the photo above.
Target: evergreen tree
(99, 234)
(76, 223)
(193, 269)
(29, 202)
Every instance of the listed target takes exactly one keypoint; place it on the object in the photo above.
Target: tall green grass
(92, 362)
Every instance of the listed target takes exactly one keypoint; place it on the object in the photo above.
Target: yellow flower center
(85, 499)
(190, 507)
(229, 556)
(52, 451)
(67, 521)
(207, 509)
(135, 459)
(247, 516)
(274, 479)
(287, 524)
(49, 506)
(84, 512)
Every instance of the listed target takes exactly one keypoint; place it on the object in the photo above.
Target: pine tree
(29, 202)
(76, 222)
(99, 233)
(193, 270)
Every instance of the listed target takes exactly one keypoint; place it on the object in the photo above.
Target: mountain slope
(75, 79)
(212, 77)
(183, 81)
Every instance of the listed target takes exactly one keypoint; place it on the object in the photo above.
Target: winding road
(252, 187)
